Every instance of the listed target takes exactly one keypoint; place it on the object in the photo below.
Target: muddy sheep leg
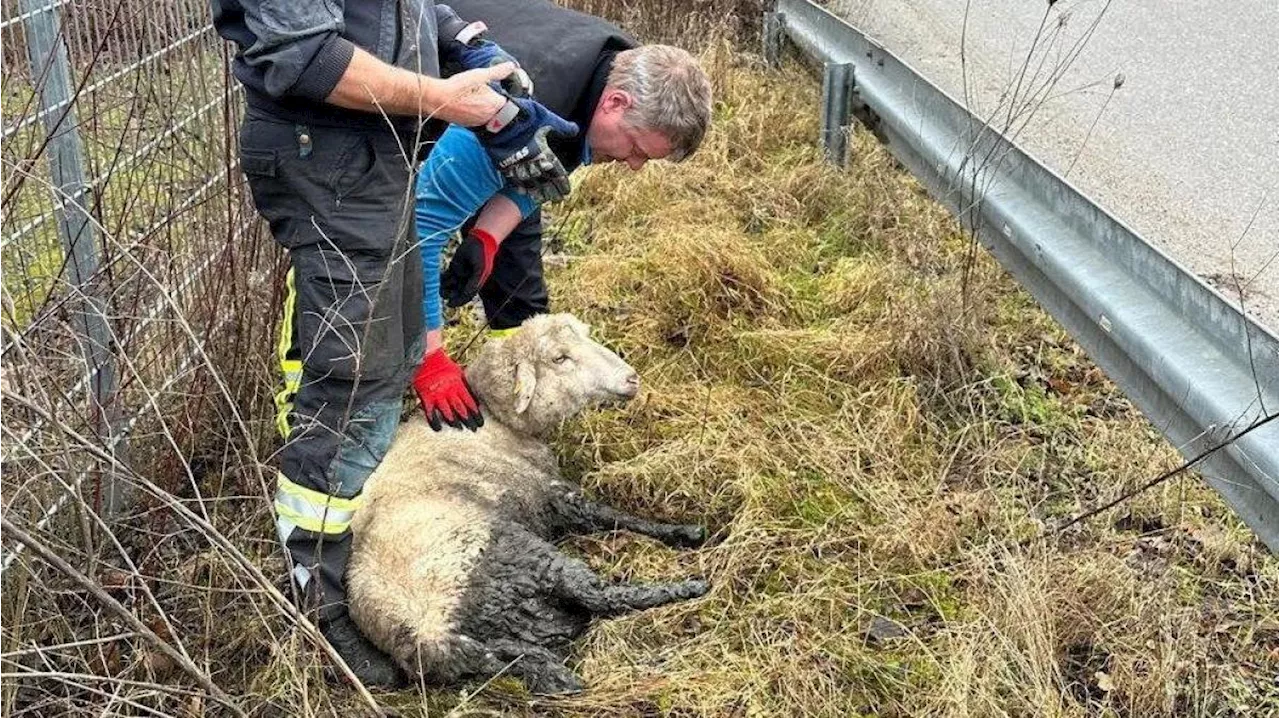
(579, 515)
(578, 584)
(511, 608)
(445, 660)
(452, 659)
(542, 671)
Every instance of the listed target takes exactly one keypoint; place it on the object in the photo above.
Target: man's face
(612, 139)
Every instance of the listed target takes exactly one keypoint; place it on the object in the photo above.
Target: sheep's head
(547, 372)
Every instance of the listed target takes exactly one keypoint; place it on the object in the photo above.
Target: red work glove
(444, 393)
(469, 269)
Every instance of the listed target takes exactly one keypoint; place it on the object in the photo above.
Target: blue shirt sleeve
(523, 201)
(452, 185)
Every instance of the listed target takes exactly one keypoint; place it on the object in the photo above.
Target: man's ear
(619, 100)
(526, 380)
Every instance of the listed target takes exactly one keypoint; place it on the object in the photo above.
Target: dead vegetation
(872, 454)
(883, 468)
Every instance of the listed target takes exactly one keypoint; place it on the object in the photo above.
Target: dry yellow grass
(868, 450)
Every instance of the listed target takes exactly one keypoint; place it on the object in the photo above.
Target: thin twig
(1084, 143)
(283, 604)
(53, 559)
(1163, 477)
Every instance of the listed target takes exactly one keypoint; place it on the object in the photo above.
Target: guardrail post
(771, 38)
(50, 69)
(837, 88)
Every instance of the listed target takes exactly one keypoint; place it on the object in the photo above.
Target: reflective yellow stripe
(502, 333)
(312, 510)
(286, 326)
(291, 368)
(285, 486)
(283, 408)
(326, 524)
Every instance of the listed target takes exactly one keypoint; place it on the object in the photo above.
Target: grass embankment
(871, 448)
(868, 448)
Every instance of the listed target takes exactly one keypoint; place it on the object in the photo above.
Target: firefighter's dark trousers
(339, 201)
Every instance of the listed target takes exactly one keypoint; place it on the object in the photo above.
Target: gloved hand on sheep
(605, 99)
(453, 571)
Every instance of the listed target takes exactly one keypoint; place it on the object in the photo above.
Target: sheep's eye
(561, 359)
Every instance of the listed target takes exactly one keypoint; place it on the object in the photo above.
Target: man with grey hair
(634, 104)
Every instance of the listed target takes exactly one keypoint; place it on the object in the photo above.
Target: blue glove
(462, 44)
(482, 53)
(516, 140)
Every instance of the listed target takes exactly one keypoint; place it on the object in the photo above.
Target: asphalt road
(1185, 151)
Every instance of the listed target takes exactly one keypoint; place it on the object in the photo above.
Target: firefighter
(336, 94)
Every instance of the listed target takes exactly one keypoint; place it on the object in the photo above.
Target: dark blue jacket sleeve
(297, 46)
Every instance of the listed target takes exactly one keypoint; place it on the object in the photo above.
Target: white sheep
(453, 572)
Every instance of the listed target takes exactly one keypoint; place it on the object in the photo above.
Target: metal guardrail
(1195, 365)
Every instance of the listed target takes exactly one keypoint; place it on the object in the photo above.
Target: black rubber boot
(373, 667)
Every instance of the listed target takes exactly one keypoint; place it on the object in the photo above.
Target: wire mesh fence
(134, 279)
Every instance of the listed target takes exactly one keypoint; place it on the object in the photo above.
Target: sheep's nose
(632, 384)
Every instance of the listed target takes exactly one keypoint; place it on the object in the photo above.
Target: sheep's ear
(525, 381)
